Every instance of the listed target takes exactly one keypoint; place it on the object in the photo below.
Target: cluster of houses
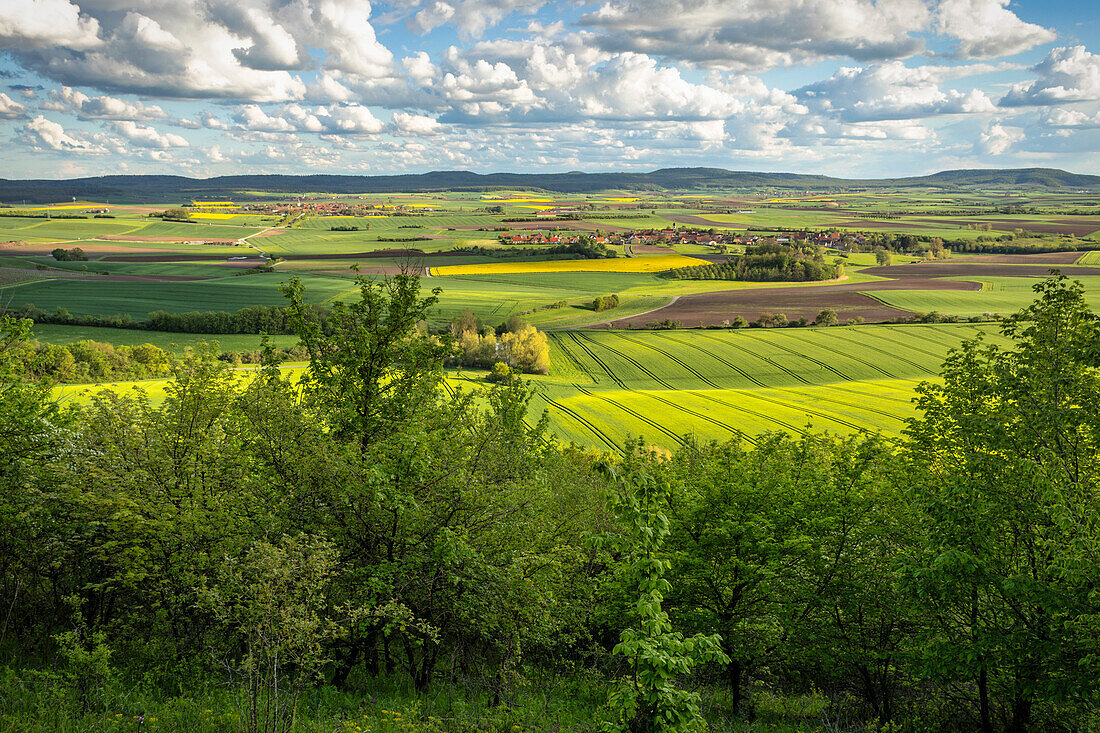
(834, 240)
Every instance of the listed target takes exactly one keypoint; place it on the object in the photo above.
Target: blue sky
(852, 88)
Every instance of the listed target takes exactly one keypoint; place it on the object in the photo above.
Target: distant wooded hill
(166, 188)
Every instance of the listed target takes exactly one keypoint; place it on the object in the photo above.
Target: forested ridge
(364, 549)
(179, 187)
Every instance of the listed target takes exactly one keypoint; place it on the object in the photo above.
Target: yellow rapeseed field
(212, 216)
(654, 263)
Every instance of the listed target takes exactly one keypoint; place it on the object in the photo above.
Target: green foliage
(652, 700)
(765, 263)
(1007, 473)
(367, 365)
(605, 302)
(69, 255)
(500, 373)
(272, 600)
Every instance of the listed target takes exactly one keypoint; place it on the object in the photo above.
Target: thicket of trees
(605, 302)
(766, 262)
(283, 538)
(515, 344)
(76, 254)
(88, 361)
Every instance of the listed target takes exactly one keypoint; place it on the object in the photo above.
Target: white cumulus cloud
(1067, 74)
(987, 28)
(891, 91)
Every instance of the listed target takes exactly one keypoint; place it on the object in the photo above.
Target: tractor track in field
(674, 359)
(633, 361)
(843, 403)
(741, 408)
(576, 362)
(919, 334)
(714, 421)
(586, 423)
(761, 357)
(630, 411)
(827, 367)
(899, 340)
(584, 347)
(920, 367)
(713, 355)
(789, 406)
(837, 352)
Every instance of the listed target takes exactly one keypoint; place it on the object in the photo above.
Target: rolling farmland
(662, 385)
(655, 263)
(605, 382)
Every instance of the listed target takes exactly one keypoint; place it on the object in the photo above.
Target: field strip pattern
(719, 384)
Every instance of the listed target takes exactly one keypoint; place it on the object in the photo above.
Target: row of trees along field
(253, 319)
(364, 551)
(766, 262)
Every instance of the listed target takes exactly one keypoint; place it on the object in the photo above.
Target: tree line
(300, 543)
(253, 319)
(766, 262)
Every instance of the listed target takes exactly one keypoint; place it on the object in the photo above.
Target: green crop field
(89, 297)
(605, 385)
(1003, 295)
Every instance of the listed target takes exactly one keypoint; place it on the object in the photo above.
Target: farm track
(730, 364)
(633, 361)
(600, 362)
(674, 359)
(633, 413)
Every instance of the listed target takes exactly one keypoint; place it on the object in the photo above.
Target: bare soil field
(655, 249)
(711, 309)
(847, 299)
(1051, 258)
(1078, 226)
(695, 220)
